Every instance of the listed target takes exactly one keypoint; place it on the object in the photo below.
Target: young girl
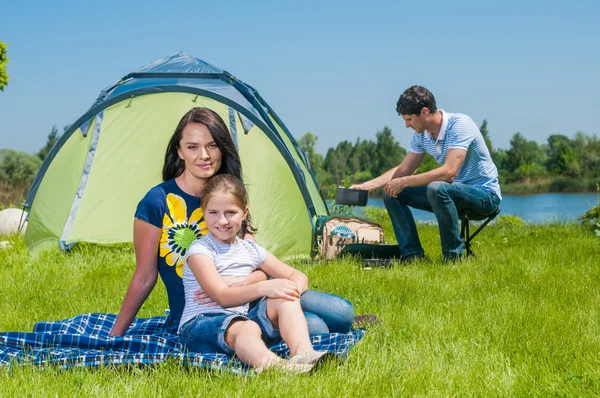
(227, 325)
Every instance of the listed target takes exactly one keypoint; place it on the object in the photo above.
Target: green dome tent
(91, 181)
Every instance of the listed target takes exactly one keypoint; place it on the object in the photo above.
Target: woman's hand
(280, 288)
(201, 297)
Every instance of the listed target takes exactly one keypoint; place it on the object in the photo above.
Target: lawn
(519, 319)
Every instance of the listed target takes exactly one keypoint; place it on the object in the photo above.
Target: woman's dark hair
(230, 163)
(233, 186)
(414, 99)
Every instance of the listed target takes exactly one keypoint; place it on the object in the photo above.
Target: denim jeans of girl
(206, 332)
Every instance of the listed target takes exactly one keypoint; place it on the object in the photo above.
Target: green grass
(519, 319)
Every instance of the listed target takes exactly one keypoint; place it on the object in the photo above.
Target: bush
(592, 216)
(17, 168)
(11, 196)
(509, 221)
(340, 210)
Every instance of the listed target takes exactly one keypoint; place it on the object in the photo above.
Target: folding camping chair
(468, 215)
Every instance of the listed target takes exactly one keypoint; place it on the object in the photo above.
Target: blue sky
(333, 68)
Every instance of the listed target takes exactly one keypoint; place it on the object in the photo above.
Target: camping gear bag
(337, 236)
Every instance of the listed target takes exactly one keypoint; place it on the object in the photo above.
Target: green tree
(428, 163)
(17, 168)
(336, 161)
(499, 157)
(524, 159)
(588, 152)
(363, 160)
(562, 158)
(521, 152)
(389, 152)
(486, 135)
(308, 144)
(362, 166)
(3, 62)
(50, 141)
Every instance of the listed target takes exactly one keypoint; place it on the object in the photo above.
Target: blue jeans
(326, 313)
(445, 200)
(206, 332)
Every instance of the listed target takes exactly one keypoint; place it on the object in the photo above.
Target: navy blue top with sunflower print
(181, 220)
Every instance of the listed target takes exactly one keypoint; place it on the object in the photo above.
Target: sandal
(364, 320)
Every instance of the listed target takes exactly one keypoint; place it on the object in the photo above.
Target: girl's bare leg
(288, 317)
(244, 338)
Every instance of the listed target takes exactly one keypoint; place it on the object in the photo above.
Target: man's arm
(446, 172)
(408, 166)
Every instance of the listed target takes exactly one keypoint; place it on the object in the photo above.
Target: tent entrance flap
(82, 183)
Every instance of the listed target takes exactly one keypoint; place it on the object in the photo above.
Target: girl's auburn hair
(230, 184)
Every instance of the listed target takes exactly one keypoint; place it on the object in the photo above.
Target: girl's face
(199, 151)
(224, 216)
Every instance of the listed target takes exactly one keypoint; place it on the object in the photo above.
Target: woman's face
(199, 151)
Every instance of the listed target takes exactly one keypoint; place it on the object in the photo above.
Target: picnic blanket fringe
(84, 340)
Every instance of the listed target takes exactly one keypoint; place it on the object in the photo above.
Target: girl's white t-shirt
(238, 259)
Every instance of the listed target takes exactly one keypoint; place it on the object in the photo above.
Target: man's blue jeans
(445, 200)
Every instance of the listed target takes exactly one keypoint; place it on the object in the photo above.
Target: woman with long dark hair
(170, 217)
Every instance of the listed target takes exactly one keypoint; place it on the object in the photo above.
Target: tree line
(562, 164)
(18, 168)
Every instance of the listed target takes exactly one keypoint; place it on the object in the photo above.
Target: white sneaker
(311, 357)
(287, 367)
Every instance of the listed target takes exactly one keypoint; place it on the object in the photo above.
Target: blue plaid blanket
(84, 341)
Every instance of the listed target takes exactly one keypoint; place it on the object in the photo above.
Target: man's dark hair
(414, 99)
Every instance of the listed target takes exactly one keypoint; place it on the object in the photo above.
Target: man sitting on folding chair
(465, 184)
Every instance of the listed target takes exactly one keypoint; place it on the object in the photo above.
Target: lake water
(538, 208)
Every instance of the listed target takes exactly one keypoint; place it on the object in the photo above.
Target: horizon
(334, 71)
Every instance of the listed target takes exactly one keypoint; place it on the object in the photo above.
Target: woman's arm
(146, 238)
(226, 296)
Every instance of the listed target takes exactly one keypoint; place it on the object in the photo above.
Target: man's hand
(395, 186)
(365, 186)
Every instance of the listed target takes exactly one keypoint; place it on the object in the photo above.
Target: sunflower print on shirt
(178, 231)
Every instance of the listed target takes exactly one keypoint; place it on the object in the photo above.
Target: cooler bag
(337, 236)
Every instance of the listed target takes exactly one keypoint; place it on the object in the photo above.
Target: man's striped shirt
(458, 131)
